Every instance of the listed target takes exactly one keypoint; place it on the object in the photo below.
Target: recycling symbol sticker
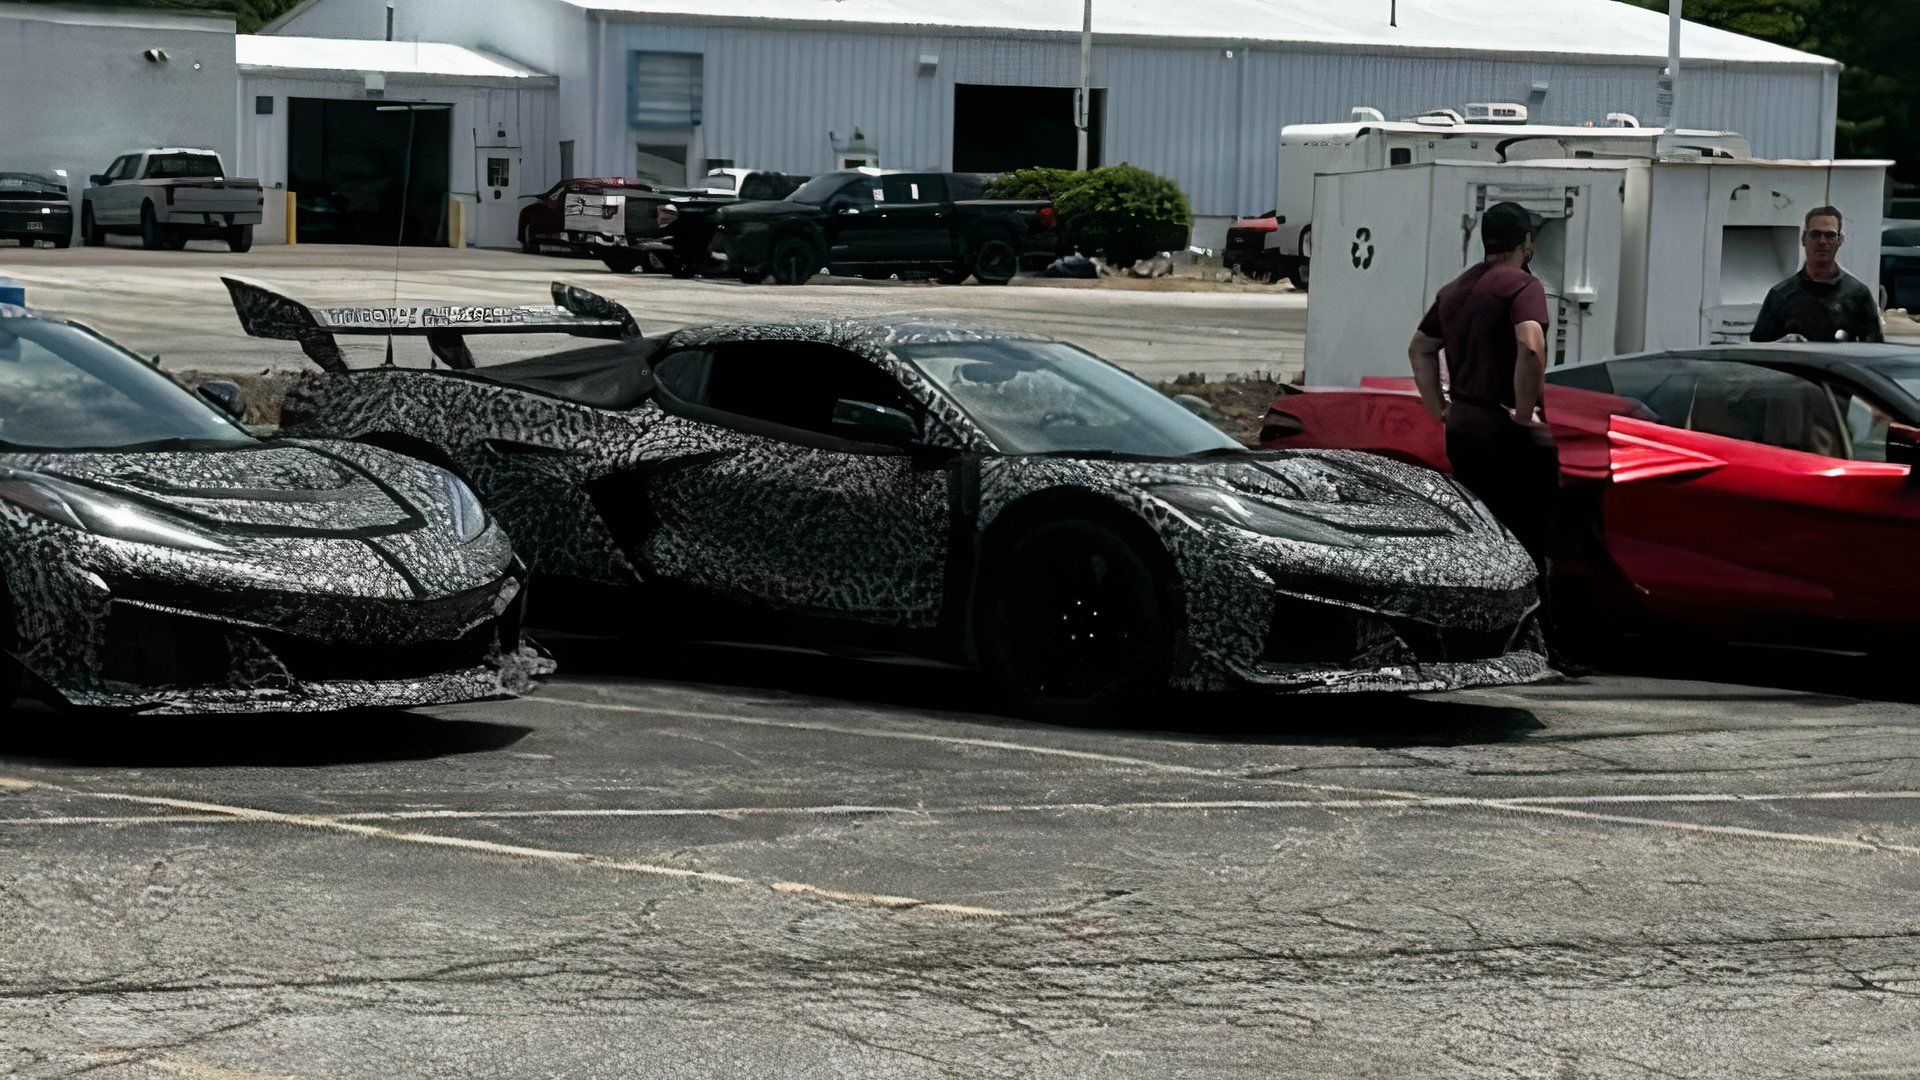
(1363, 249)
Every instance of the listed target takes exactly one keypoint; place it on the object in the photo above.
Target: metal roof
(414, 61)
(1602, 28)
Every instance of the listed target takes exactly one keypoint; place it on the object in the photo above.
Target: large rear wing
(265, 313)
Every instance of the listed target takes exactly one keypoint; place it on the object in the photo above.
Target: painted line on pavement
(519, 851)
(1409, 797)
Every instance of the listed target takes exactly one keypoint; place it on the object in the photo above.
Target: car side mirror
(225, 395)
(863, 421)
(99, 180)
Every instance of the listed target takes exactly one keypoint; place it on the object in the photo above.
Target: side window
(1665, 386)
(913, 187)
(1866, 423)
(123, 169)
(1737, 400)
(684, 374)
(787, 384)
(860, 193)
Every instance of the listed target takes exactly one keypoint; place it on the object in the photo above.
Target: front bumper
(174, 648)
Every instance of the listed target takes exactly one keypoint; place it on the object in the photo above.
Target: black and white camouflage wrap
(869, 536)
(337, 556)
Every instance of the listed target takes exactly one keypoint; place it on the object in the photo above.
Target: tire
(61, 242)
(173, 241)
(953, 277)
(1072, 623)
(795, 260)
(90, 234)
(1297, 272)
(528, 245)
(751, 277)
(622, 262)
(995, 260)
(151, 236)
(240, 239)
(1297, 275)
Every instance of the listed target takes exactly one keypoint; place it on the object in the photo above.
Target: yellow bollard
(293, 232)
(456, 223)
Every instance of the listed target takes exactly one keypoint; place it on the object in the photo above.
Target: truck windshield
(63, 388)
(818, 190)
(1040, 397)
(718, 181)
(183, 166)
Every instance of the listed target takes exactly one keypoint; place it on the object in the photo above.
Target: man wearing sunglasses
(1822, 302)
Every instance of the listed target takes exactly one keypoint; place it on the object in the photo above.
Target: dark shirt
(1817, 309)
(1474, 316)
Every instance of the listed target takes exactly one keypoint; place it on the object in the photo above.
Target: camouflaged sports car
(978, 496)
(156, 557)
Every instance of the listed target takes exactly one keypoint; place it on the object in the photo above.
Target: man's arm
(1529, 369)
(1424, 354)
(1867, 325)
(1768, 327)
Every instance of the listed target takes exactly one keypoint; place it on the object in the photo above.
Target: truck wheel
(995, 261)
(953, 277)
(528, 245)
(1297, 274)
(90, 233)
(62, 241)
(240, 239)
(751, 277)
(151, 236)
(622, 262)
(795, 260)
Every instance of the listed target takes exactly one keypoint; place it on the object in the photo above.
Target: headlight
(97, 512)
(1253, 515)
(469, 517)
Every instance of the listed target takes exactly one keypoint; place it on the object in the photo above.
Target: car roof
(1820, 355)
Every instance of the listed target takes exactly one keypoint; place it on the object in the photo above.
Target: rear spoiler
(265, 313)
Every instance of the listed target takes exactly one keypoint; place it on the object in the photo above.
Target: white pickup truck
(168, 196)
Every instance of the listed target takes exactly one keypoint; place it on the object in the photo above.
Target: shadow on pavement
(298, 741)
(1811, 678)
(1373, 720)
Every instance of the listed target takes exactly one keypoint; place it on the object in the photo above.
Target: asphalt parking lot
(695, 860)
(172, 304)
(689, 860)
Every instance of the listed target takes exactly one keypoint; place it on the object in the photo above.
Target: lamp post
(1083, 101)
(1670, 82)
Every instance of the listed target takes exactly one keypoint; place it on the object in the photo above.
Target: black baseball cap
(1504, 227)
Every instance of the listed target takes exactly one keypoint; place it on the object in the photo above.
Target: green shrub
(1120, 213)
(1123, 214)
(1038, 182)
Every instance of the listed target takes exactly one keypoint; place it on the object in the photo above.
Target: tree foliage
(1121, 213)
(1878, 41)
(248, 15)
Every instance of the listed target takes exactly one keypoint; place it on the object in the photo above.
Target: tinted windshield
(1034, 397)
(1903, 235)
(62, 388)
(818, 190)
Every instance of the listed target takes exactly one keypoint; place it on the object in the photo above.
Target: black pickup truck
(674, 228)
(875, 224)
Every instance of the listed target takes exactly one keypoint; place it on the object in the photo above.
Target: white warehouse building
(1196, 90)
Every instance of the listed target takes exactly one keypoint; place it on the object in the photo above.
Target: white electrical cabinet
(1633, 254)
(1390, 238)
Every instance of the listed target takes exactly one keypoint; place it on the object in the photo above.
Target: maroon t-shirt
(1475, 315)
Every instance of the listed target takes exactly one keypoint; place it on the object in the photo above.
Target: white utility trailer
(1634, 254)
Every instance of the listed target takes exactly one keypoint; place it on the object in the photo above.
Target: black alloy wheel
(1072, 623)
(240, 239)
(995, 261)
(528, 245)
(151, 236)
(622, 262)
(795, 260)
(90, 234)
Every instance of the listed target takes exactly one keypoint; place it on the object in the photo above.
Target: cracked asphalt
(700, 860)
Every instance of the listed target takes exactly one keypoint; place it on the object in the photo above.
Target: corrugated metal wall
(1211, 123)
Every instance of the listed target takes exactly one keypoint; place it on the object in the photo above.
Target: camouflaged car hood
(293, 488)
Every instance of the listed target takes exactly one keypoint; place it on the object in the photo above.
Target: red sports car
(1752, 490)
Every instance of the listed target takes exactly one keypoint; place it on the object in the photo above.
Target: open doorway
(1001, 128)
(348, 161)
